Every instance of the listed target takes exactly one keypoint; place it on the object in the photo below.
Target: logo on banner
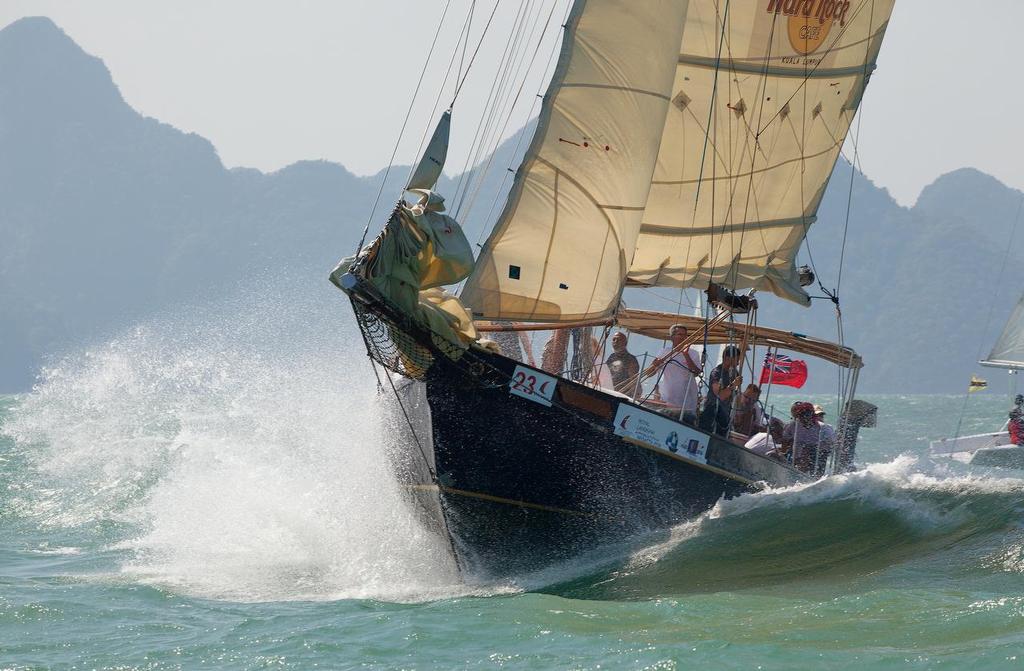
(660, 432)
(672, 442)
(810, 21)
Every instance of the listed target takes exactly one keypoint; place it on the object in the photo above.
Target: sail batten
(686, 152)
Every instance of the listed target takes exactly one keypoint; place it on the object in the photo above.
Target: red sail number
(524, 382)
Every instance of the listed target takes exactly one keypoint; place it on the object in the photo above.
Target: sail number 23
(532, 385)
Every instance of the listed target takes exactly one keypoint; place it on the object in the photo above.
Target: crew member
(1016, 424)
(805, 440)
(622, 365)
(678, 384)
(767, 441)
(747, 416)
(725, 379)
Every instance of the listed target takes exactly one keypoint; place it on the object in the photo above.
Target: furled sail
(774, 93)
(563, 243)
(680, 143)
(1009, 349)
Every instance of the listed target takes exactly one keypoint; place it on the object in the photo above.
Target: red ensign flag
(780, 369)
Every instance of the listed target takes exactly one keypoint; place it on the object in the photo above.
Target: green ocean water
(170, 503)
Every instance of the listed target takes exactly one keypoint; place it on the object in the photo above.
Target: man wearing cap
(828, 432)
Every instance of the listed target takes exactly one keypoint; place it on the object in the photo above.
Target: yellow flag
(977, 384)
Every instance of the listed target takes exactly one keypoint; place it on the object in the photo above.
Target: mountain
(107, 217)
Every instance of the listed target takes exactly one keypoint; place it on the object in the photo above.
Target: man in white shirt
(678, 384)
(764, 442)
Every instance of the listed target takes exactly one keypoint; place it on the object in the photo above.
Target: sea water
(211, 490)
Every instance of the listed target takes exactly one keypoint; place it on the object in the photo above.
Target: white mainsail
(1009, 349)
(679, 143)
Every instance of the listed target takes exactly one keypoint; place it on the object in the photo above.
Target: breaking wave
(934, 520)
(232, 452)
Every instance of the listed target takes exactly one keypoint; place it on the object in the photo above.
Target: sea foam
(238, 452)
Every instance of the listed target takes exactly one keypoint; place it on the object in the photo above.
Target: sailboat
(998, 448)
(681, 144)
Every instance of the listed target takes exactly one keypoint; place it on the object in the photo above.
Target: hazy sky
(270, 83)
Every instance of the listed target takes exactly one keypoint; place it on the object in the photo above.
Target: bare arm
(527, 347)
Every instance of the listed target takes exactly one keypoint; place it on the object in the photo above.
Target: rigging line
(711, 109)
(475, 52)
(849, 204)
(490, 112)
(522, 131)
(856, 150)
(519, 141)
(401, 132)
(503, 66)
(495, 106)
(649, 291)
(463, 35)
(465, 45)
(757, 142)
(426, 463)
(712, 118)
(511, 110)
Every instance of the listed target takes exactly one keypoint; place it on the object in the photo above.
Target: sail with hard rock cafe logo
(680, 146)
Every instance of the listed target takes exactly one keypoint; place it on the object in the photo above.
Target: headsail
(1009, 349)
(562, 246)
(651, 101)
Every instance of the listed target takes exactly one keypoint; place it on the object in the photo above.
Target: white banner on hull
(661, 433)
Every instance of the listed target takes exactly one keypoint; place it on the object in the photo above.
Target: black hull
(521, 483)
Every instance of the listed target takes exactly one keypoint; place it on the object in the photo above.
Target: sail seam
(776, 71)
(747, 174)
(612, 87)
(585, 192)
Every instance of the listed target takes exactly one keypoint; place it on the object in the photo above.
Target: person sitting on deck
(805, 439)
(747, 416)
(725, 379)
(622, 365)
(678, 384)
(766, 441)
